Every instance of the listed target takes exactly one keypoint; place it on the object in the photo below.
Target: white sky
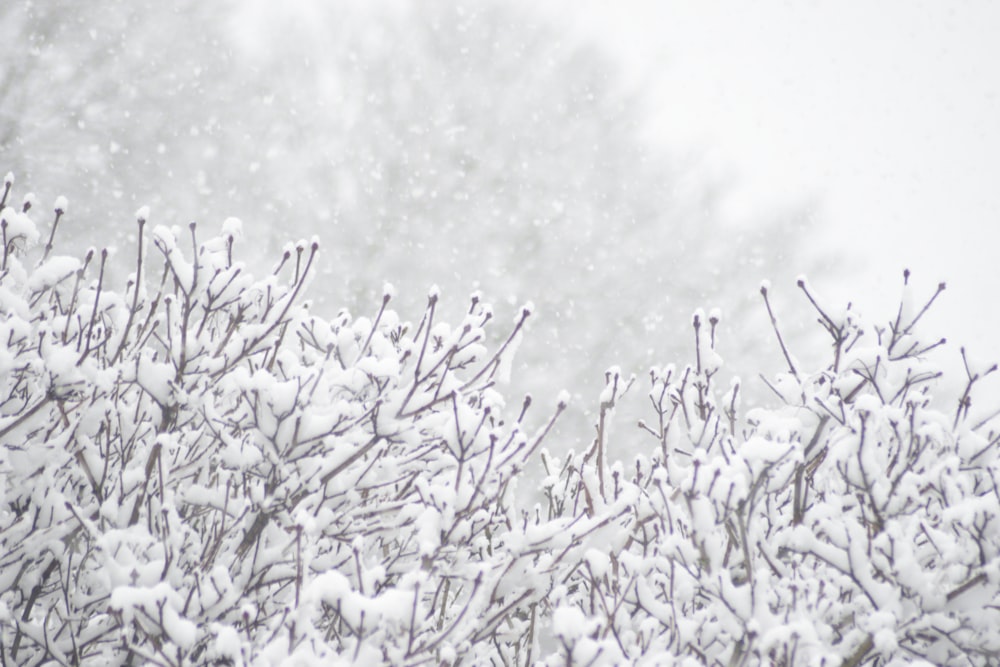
(888, 112)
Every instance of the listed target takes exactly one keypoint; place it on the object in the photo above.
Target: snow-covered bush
(195, 469)
(854, 524)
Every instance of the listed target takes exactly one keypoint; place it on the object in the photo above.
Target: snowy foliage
(195, 469)
(854, 524)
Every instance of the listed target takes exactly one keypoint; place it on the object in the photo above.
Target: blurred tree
(469, 145)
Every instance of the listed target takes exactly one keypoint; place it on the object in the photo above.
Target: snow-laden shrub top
(855, 524)
(196, 470)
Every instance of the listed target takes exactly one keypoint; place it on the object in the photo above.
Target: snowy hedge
(194, 469)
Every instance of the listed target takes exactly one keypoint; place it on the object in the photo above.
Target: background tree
(468, 145)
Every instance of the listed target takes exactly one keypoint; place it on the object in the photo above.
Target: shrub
(854, 524)
(194, 469)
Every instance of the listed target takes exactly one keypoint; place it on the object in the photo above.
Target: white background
(886, 116)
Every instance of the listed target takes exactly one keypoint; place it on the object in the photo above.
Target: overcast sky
(889, 113)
